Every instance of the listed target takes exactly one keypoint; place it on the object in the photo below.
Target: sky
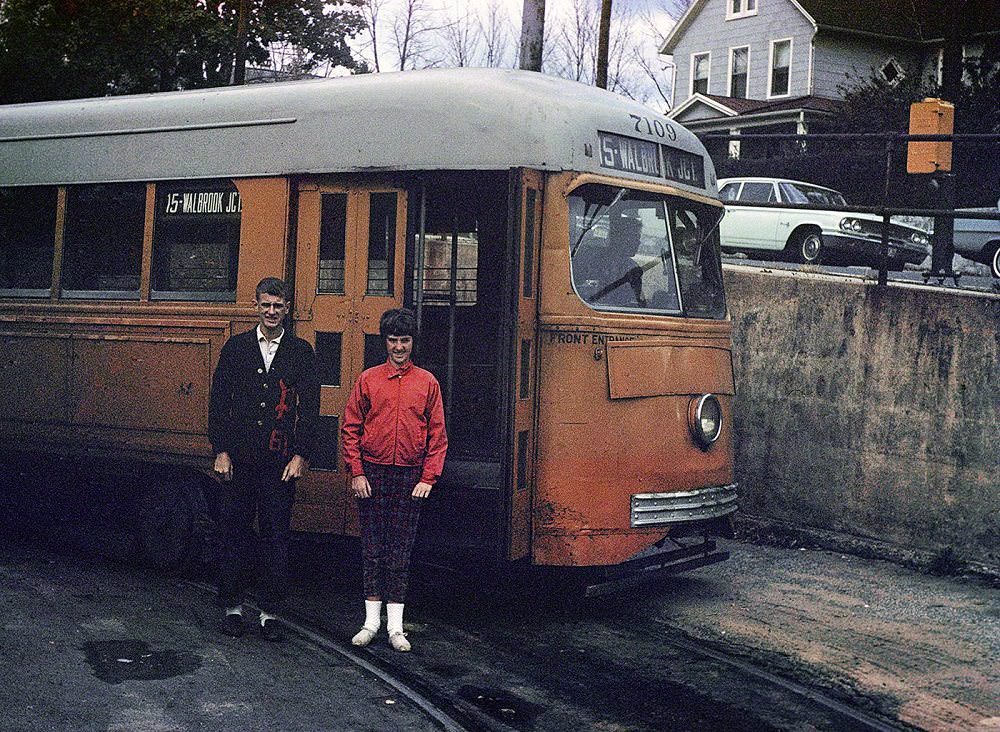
(641, 71)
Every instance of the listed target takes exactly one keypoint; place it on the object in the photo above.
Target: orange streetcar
(558, 243)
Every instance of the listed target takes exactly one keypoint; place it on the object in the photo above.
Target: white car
(979, 239)
(809, 236)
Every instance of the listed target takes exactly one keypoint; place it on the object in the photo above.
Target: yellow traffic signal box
(930, 117)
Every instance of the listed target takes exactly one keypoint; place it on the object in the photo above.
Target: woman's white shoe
(364, 636)
(398, 641)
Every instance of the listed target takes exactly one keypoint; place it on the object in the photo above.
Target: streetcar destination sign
(202, 202)
(632, 155)
(683, 167)
(629, 154)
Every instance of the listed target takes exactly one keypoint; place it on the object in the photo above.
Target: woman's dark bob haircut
(398, 322)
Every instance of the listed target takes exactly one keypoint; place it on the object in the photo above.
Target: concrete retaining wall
(869, 412)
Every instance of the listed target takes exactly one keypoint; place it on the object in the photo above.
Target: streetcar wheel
(172, 525)
(809, 248)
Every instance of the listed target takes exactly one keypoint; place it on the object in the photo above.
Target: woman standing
(394, 444)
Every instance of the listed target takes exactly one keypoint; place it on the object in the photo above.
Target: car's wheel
(807, 247)
(995, 261)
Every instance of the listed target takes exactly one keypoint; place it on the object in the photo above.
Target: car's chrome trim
(658, 509)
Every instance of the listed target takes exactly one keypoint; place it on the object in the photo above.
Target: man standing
(394, 444)
(261, 422)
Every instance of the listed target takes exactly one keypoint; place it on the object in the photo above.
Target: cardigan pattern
(259, 414)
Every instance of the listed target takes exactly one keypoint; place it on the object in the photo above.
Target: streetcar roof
(442, 119)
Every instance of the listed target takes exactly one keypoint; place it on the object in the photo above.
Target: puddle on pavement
(131, 660)
(502, 705)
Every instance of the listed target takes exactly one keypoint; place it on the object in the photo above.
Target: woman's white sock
(395, 613)
(373, 615)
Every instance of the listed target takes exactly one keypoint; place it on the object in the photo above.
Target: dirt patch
(919, 648)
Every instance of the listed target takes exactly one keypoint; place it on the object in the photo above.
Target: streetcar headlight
(917, 238)
(705, 419)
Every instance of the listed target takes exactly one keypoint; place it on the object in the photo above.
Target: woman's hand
(360, 487)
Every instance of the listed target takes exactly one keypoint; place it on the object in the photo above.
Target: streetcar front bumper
(682, 507)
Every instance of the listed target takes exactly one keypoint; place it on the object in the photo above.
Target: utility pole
(532, 34)
(603, 42)
(240, 61)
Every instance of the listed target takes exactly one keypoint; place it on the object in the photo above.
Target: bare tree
(413, 30)
(496, 33)
(460, 38)
(576, 43)
(371, 11)
(656, 70)
(532, 34)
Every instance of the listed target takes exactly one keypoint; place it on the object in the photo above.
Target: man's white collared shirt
(268, 348)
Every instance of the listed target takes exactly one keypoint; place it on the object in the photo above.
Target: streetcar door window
(196, 241)
(332, 242)
(27, 241)
(381, 243)
(102, 240)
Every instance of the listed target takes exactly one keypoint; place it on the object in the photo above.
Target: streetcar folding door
(349, 269)
(523, 248)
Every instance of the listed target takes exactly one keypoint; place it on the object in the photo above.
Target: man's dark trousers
(256, 489)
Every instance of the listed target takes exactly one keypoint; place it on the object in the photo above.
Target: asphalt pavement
(94, 644)
(91, 645)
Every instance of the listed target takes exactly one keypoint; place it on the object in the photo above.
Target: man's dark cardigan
(255, 414)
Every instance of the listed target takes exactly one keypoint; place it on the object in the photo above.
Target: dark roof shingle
(916, 20)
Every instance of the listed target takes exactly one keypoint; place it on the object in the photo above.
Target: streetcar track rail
(867, 721)
(448, 712)
(442, 718)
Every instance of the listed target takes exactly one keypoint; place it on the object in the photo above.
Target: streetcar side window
(27, 241)
(437, 280)
(196, 240)
(694, 230)
(102, 240)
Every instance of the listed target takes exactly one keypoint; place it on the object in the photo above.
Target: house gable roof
(734, 106)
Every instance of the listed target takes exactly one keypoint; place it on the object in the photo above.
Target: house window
(892, 72)
(739, 65)
(781, 62)
(700, 65)
(740, 8)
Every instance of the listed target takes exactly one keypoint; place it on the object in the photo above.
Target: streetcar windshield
(641, 251)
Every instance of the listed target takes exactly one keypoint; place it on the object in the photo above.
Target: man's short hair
(274, 287)
(398, 322)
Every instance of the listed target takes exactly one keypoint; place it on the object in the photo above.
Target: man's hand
(422, 490)
(360, 487)
(296, 468)
(223, 467)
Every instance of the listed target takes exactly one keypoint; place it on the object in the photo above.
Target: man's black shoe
(271, 630)
(233, 625)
